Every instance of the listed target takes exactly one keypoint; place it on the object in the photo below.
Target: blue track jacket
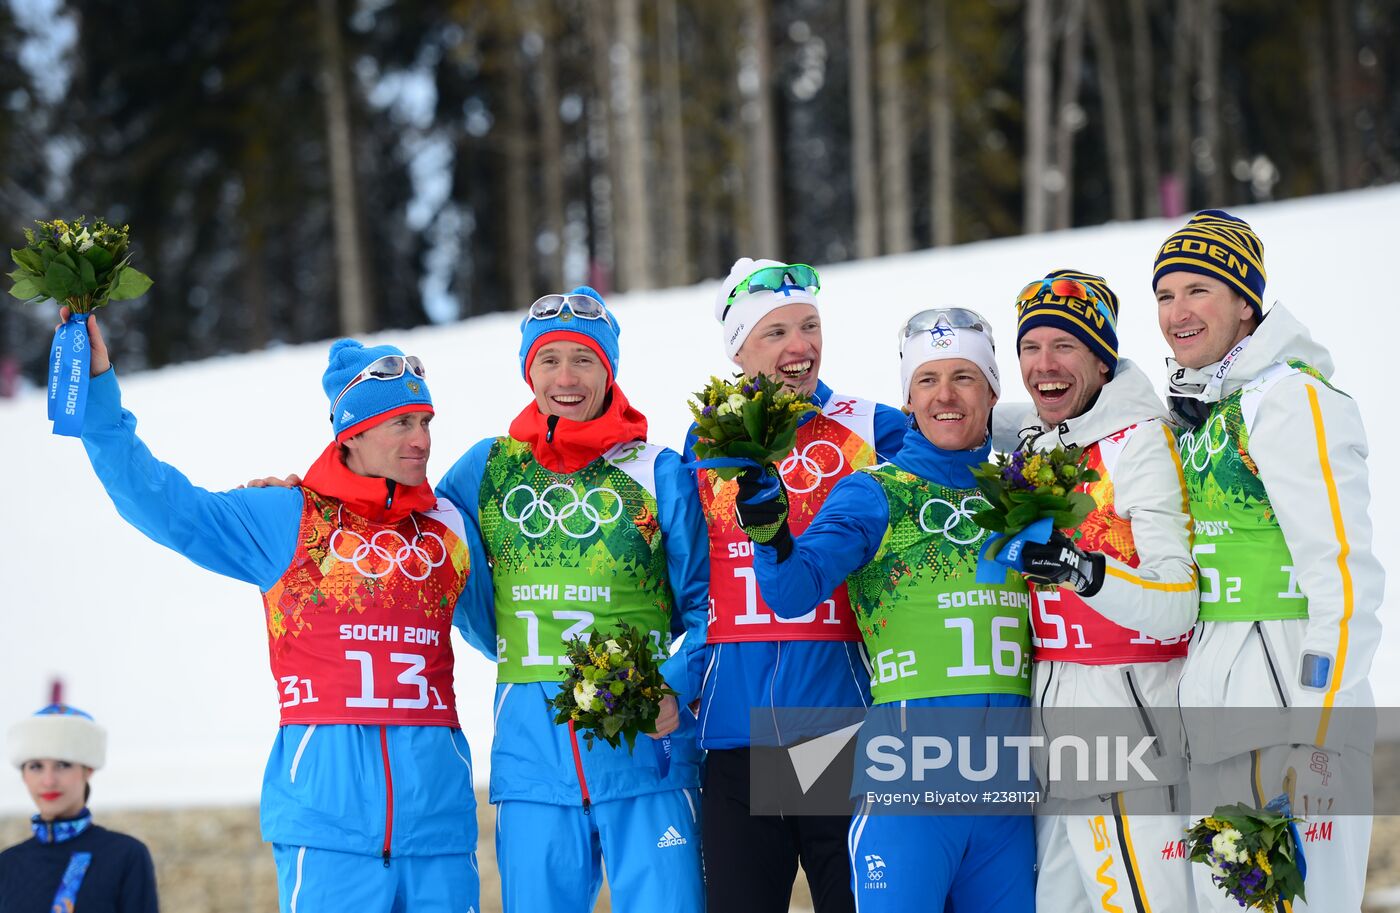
(738, 678)
(531, 755)
(324, 785)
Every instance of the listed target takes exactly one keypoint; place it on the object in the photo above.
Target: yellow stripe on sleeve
(1152, 584)
(1343, 551)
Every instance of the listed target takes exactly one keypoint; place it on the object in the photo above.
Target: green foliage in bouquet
(1252, 855)
(747, 418)
(80, 265)
(1025, 486)
(613, 688)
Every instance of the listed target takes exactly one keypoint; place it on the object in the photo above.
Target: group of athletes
(1227, 563)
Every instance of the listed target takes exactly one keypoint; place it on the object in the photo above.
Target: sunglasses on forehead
(790, 277)
(386, 368)
(584, 307)
(956, 318)
(1066, 288)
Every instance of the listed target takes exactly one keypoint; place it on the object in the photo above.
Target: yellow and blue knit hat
(1221, 246)
(1092, 317)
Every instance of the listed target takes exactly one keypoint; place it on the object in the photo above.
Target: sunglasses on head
(386, 368)
(956, 318)
(787, 278)
(584, 307)
(1066, 288)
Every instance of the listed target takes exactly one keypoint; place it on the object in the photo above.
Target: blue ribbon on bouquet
(993, 570)
(1279, 805)
(69, 362)
(767, 490)
(662, 747)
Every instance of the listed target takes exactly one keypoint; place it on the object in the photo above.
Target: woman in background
(70, 865)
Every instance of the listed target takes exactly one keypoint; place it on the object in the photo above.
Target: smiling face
(951, 401)
(1202, 318)
(1060, 373)
(58, 788)
(787, 346)
(394, 449)
(570, 381)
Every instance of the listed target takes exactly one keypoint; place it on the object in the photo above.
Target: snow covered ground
(173, 660)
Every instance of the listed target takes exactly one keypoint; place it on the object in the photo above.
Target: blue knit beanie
(1221, 246)
(370, 401)
(599, 335)
(60, 732)
(1096, 327)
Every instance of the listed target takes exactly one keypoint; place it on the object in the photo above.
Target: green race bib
(570, 554)
(931, 630)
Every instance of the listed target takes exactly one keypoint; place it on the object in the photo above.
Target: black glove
(1062, 562)
(765, 522)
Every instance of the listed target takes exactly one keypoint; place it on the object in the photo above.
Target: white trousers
(1335, 847)
(1100, 855)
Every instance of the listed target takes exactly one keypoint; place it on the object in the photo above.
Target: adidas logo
(672, 837)
(346, 416)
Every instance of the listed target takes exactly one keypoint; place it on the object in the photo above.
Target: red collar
(573, 445)
(379, 500)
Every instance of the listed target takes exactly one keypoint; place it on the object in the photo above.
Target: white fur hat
(60, 732)
(943, 342)
(748, 308)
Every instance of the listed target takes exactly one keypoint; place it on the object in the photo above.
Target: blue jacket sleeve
(475, 615)
(247, 534)
(890, 425)
(687, 543)
(844, 537)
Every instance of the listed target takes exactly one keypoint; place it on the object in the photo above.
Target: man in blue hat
(368, 797)
(585, 524)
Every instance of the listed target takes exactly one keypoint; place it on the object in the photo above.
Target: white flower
(1226, 845)
(612, 646)
(736, 402)
(723, 409)
(584, 693)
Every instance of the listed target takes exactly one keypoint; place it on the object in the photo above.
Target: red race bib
(829, 447)
(359, 627)
(1064, 627)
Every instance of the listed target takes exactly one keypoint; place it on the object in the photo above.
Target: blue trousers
(551, 857)
(952, 863)
(311, 880)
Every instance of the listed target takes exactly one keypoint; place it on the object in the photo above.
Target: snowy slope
(173, 659)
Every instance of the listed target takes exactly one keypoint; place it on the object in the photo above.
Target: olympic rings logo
(808, 463)
(390, 550)
(956, 517)
(551, 508)
(1197, 447)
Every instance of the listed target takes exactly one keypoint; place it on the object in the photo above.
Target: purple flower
(707, 411)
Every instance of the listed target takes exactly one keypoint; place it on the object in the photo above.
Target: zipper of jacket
(1273, 669)
(578, 768)
(388, 795)
(1142, 712)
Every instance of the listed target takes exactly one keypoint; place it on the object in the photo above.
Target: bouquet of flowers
(1031, 493)
(84, 267)
(745, 422)
(613, 688)
(1254, 855)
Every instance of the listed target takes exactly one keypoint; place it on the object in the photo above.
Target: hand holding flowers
(1031, 493)
(613, 688)
(1254, 855)
(745, 423)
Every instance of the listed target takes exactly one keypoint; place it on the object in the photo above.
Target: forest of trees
(294, 170)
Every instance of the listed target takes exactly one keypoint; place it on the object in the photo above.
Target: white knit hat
(944, 342)
(60, 732)
(740, 316)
